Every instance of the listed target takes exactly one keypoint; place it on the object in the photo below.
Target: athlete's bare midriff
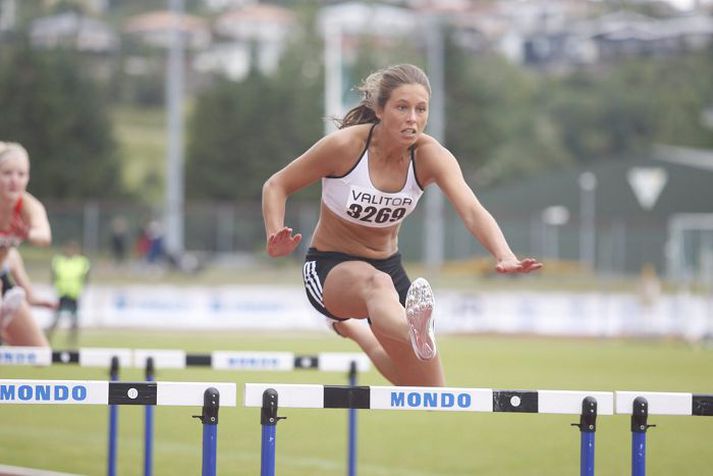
(334, 234)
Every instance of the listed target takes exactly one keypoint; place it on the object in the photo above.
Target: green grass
(310, 442)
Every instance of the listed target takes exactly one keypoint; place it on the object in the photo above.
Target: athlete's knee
(380, 283)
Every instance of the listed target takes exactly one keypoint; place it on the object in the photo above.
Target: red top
(16, 232)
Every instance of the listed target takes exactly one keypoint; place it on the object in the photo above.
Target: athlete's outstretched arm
(314, 164)
(442, 168)
(34, 216)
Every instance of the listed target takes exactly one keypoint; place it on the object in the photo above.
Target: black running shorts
(318, 264)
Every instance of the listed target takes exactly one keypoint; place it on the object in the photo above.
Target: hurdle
(642, 404)
(269, 397)
(176, 359)
(92, 392)
(152, 359)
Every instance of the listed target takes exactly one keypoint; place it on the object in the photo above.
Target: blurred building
(563, 35)
(218, 5)
(636, 200)
(73, 30)
(156, 29)
(8, 15)
(252, 36)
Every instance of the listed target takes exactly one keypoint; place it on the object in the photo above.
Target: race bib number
(369, 206)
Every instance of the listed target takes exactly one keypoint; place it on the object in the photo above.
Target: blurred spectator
(649, 296)
(154, 233)
(70, 271)
(143, 243)
(649, 286)
(119, 237)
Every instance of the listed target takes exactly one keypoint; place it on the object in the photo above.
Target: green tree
(58, 114)
(496, 125)
(241, 133)
(681, 88)
(627, 107)
(603, 115)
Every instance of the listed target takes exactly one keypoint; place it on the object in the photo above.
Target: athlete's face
(405, 114)
(14, 174)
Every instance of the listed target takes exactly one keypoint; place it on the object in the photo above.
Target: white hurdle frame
(270, 397)
(97, 392)
(151, 359)
(176, 359)
(430, 398)
(585, 403)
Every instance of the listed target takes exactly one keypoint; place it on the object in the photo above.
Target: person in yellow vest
(70, 271)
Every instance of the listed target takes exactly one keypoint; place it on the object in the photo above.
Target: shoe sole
(419, 309)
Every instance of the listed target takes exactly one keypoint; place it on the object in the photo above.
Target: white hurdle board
(85, 357)
(429, 398)
(95, 392)
(666, 403)
(39, 356)
(341, 361)
(246, 360)
(177, 359)
(162, 358)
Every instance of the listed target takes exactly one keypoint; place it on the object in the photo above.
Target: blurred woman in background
(22, 218)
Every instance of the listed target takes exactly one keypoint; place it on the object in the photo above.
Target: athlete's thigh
(23, 330)
(345, 288)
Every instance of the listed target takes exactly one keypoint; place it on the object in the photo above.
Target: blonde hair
(376, 90)
(6, 148)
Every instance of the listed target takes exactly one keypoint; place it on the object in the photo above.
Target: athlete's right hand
(282, 242)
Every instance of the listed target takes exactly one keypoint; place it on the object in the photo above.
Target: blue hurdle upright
(642, 404)
(148, 424)
(272, 397)
(113, 421)
(587, 427)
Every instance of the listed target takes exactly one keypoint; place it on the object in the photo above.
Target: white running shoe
(419, 307)
(11, 302)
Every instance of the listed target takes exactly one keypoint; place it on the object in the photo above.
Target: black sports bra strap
(368, 139)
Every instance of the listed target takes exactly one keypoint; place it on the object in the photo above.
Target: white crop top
(354, 198)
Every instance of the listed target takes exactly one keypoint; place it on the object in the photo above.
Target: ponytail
(360, 114)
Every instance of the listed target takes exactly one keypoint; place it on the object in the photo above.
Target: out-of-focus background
(585, 127)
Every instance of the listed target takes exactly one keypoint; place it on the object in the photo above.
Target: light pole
(173, 213)
(553, 217)
(332, 73)
(587, 209)
(434, 226)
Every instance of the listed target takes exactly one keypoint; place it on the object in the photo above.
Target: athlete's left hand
(514, 265)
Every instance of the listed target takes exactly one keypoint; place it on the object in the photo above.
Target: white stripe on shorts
(314, 287)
